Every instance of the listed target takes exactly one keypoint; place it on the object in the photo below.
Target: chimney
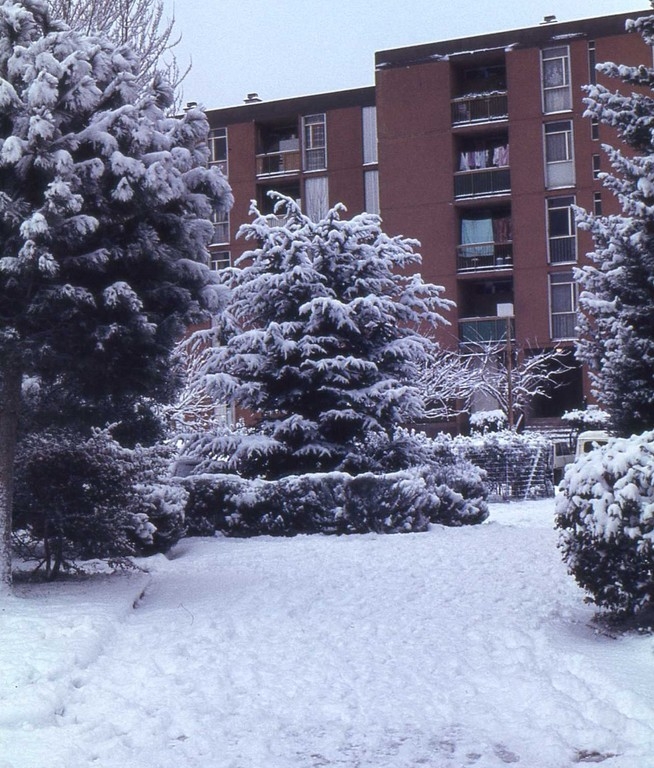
(548, 20)
(252, 98)
(190, 105)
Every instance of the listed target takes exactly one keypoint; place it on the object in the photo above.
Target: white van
(593, 438)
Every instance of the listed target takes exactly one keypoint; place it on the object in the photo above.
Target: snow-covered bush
(333, 502)
(88, 497)
(592, 417)
(606, 518)
(488, 421)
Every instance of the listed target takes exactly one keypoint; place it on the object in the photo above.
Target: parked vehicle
(593, 438)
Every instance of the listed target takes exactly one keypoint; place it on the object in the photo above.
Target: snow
(453, 648)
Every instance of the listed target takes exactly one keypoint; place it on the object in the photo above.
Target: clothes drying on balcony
(479, 159)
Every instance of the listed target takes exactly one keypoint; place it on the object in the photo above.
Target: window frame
(569, 159)
(565, 86)
(559, 279)
(216, 137)
(554, 205)
(314, 140)
(220, 259)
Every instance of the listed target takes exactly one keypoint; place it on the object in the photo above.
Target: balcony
(278, 163)
(481, 257)
(484, 330)
(487, 181)
(479, 108)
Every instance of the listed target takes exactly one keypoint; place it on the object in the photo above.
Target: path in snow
(455, 648)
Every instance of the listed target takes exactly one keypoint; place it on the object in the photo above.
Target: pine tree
(617, 298)
(325, 342)
(105, 204)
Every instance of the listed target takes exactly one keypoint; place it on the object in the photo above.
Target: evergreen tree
(105, 204)
(617, 298)
(325, 342)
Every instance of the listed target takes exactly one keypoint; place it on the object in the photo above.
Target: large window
(559, 161)
(218, 148)
(557, 94)
(369, 124)
(315, 142)
(562, 239)
(563, 305)
(220, 228)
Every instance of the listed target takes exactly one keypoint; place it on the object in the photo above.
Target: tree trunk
(10, 398)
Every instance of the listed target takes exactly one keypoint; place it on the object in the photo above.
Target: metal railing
(481, 330)
(487, 181)
(476, 257)
(275, 163)
(479, 109)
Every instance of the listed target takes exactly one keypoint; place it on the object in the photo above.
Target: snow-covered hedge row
(606, 518)
(517, 466)
(334, 502)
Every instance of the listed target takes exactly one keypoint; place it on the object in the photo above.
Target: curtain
(316, 197)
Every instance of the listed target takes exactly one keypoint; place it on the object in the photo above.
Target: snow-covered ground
(452, 648)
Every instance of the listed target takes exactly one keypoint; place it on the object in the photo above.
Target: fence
(518, 467)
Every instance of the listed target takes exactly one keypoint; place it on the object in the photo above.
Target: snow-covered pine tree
(617, 297)
(105, 204)
(325, 341)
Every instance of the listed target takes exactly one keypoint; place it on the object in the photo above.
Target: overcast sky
(284, 48)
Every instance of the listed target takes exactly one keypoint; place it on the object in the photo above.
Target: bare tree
(447, 385)
(141, 23)
(513, 384)
(453, 381)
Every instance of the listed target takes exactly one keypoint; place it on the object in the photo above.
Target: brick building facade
(477, 147)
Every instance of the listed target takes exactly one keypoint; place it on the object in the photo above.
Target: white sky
(297, 47)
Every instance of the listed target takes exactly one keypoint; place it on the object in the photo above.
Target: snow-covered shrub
(88, 497)
(606, 518)
(335, 502)
(488, 421)
(590, 418)
(517, 466)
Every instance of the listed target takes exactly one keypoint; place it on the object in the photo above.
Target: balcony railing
(480, 109)
(481, 330)
(276, 163)
(477, 257)
(487, 181)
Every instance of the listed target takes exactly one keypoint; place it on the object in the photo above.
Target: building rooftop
(547, 31)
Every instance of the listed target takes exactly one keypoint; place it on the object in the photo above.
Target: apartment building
(477, 147)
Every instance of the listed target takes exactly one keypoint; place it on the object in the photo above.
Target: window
(597, 203)
(218, 148)
(596, 166)
(557, 94)
(371, 191)
(220, 227)
(594, 129)
(220, 260)
(316, 197)
(562, 239)
(559, 165)
(563, 305)
(315, 142)
(369, 123)
(592, 61)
